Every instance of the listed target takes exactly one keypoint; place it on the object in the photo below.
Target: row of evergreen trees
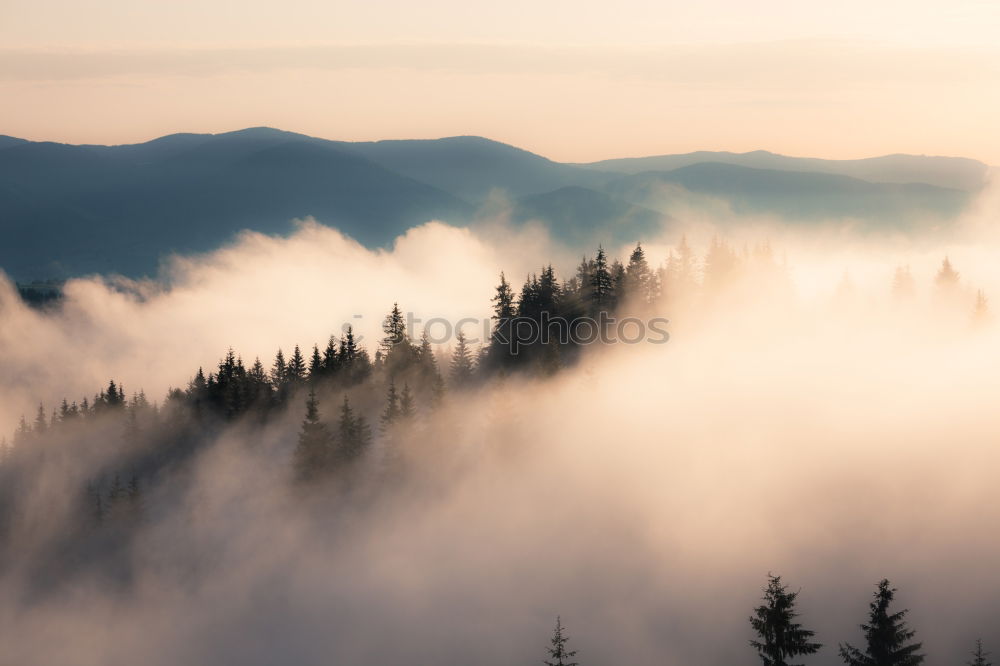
(781, 640)
(233, 390)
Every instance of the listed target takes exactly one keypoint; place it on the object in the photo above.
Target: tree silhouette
(947, 276)
(461, 361)
(558, 653)
(781, 639)
(313, 450)
(601, 284)
(886, 636)
(405, 403)
(392, 411)
(979, 656)
(639, 281)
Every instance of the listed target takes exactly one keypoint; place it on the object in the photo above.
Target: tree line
(781, 640)
(345, 389)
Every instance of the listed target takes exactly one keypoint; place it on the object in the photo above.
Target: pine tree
(259, 386)
(41, 422)
(354, 435)
(331, 360)
(279, 371)
(947, 277)
(618, 279)
(639, 279)
(559, 655)
(503, 313)
(312, 454)
(781, 639)
(296, 369)
(979, 656)
(549, 292)
(886, 636)
(461, 361)
(315, 365)
(406, 409)
(601, 283)
(391, 412)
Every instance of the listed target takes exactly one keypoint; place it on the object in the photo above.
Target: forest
(352, 425)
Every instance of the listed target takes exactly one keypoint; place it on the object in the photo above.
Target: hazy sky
(571, 80)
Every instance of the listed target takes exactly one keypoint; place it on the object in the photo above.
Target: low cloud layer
(832, 435)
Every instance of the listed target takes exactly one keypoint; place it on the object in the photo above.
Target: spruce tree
(979, 656)
(504, 312)
(601, 283)
(315, 365)
(461, 361)
(331, 360)
(406, 409)
(353, 434)
(947, 277)
(638, 277)
(391, 412)
(781, 639)
(886, 636)
(279, 371)
(296, 369)
(41, 422)
(558, 653)
(312, 453)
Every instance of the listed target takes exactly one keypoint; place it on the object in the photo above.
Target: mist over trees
(344, 417)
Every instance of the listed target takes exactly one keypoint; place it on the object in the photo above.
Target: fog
(800, 421)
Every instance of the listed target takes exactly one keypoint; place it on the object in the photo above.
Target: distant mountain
(7, 141)
(583, 216)
(951, 172)
(67, 210)
(804, 197)
(470, 167)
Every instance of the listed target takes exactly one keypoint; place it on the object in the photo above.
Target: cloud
(643, 494)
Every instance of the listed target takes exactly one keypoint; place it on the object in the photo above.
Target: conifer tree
(279, 371)
(354, 435)
(406, 409)
(601, 283)
(391, 412)
(559, 655)
(886, 636)
(947, 277)
(23, 431)
(41, 422)
(618, 279)
(638, 278)
(296, 369)
(979, 656)
(331, 360)
(259, 388)
(461, 361)
(315, 365)
(781, 638)
(312, 454)
(504, 312)
(548, 292)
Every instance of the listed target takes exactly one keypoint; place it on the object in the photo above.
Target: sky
(576, 81)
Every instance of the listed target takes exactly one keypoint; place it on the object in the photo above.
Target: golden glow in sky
(571, 80)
